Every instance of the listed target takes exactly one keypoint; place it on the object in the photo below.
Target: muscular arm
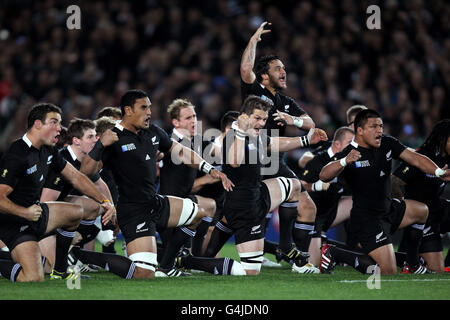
(248, 57)
(82, 183)
(422, 162)
(7, 206)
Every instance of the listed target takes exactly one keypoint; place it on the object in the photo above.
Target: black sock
(400, 258)
(359, 261)
(413, 236)
(63, 241)
(302, 235)
(287, 216)
(5, 255)
(197, 241)
(109, 249)
(117, 264)
(270, 247)
(9, 269)
(219, 236)
(219, 266)
(88, 231)
(178, 238)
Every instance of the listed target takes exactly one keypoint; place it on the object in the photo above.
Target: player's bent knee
(189, 213)
(145, 262)
(251, 261)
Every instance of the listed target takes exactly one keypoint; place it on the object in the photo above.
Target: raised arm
(425, 164)
(248, 57)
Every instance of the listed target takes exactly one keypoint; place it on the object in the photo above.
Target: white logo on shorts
(140, 226)
(256, 229)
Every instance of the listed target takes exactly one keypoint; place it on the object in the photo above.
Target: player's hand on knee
(33, 213)
(108, 138)
(110, 213)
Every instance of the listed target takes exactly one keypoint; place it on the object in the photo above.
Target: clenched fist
(33, 213)
(108, 138)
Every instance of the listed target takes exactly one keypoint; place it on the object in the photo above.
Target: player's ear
(128, 110)
(175, 123)
(38, 124)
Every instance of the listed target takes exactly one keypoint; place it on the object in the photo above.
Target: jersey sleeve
(12, 167)
(294, 109)
(406, 172)
(58, 162)
(247, 89)
(165, 142)
(54, 181)
(396, 146)
(312, 170)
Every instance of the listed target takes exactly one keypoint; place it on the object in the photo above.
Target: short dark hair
(340, 133)
(262, 65)
(353, 111)
(129, 98)
(77, 127)
(253, 102)
(39, 112)
(362, 117)
(109, 112)
(227, 119)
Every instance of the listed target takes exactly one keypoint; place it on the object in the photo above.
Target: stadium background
(192, 49)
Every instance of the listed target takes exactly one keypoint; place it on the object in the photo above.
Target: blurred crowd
(192, 49)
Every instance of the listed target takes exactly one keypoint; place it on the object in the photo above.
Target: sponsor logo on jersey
(32, 170)
(267, 99)
(147, 157)
(286, 108)
(4, 173)
(362, 164)
(154, 140)
(49, 159)
(388, 155)
(128, 147)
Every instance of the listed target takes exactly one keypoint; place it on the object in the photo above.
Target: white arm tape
(439, 172)
(317, 186)
(298, 122)
(205, 167)
(343, 162)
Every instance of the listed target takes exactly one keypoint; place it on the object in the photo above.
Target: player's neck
(267, 85)
(34, 139)
(182, 133)
(362, 143)
(129, 126)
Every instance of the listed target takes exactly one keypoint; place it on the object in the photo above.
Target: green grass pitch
(271, 284)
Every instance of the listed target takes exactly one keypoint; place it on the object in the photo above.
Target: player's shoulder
(19, 148)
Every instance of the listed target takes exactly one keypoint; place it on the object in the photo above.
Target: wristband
(298, 122)
(304, 141)
(317, 186)
(240, 135)
(343, 162)
(439, 172)
(205, 167)
(97, 150)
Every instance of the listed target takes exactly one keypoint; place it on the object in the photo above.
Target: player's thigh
(281, 189)
(208, 205)
(343, 211)
(91, 208)
(384, 256)
(63, 214)
(183, 212)
(28, 255)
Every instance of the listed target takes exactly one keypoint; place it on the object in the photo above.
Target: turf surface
(271, 284)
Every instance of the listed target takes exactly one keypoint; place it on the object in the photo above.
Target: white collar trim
(330, 152)
(119, 126)
(27, 141)
(353, 143)
(74, 157)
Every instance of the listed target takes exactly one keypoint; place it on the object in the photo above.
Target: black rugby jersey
(247, 177)
(25, 168)
(132, 160)
(420, 186)
(369, 178)
(56, 181)
(279, 102)
(178, 179)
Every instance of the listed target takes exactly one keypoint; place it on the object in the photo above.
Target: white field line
(395, 280)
